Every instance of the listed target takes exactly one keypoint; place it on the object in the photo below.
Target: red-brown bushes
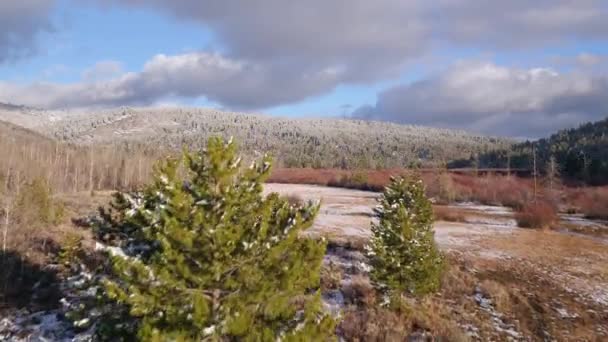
(371, 180)
(592, 202)
(305, 175)
(444, 187)
(356, 180)
(500, 190)
(536, 215)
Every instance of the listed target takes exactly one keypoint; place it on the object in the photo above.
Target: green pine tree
(402, 250)
(210, 258)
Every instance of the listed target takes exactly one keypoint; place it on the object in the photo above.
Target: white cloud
(493, 99)
(236, 83)
(104, 70)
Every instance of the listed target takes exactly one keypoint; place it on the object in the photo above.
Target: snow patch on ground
(580, 220)
(487, 209)
(498, 321)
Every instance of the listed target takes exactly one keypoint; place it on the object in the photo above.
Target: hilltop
(340, 143)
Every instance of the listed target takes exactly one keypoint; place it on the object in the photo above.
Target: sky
(515, 68)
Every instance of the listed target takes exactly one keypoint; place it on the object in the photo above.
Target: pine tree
(209, 257)
(402, 250)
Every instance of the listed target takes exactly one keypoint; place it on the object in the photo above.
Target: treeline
(577, 154)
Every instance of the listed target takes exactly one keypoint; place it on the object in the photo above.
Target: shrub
(594, 204)
(402, 250)
(359, 291)
(536, 215)
(209, 257)
(331, 277)
(35, 206)
(30, 215)
(446, 190)
(71, 249)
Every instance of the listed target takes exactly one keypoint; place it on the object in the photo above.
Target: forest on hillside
(578, 154)
(316, 143)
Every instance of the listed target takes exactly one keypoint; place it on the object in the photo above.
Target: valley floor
(503, 282)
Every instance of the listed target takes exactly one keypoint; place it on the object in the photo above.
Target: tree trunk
(91, 186)
(7, 221)
(534, 171)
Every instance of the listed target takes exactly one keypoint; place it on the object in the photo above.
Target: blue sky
(86, 35)
(478, 68)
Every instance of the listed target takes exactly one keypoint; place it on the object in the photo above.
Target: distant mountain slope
(578, 154)
(21, 135)
(296, 142)
(34, 118)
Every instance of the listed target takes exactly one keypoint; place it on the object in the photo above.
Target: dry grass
(523, 293)
(536, 215)
(431, 318)
(427, 320)
(443, 213)
(347, 242)
(359, 291)
(331, 277)
(34, 242)
(499, 294)
(373, 324)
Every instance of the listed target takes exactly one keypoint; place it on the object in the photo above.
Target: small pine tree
(35, 207)
(209, 257)
(71, 249)
(402, 250)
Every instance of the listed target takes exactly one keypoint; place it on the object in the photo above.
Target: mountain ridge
(298, 142)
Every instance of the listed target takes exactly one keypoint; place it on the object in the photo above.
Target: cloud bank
(240, 84)
(489, 98)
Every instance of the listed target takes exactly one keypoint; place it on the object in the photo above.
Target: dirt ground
(504, 282)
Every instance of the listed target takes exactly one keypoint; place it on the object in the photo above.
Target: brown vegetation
(331, 277)
(446, 187)
(592, 202)
(366, 319)
(359, 291)
(540, 214)
(442, 213)
(443, 186)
